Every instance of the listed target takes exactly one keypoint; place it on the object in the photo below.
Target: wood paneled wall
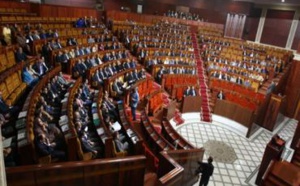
(65, 11)
(251, 24)
(277, 26)
(235, 112)
(296, 42)
(213, 10)
(78, 3)
(292, 90)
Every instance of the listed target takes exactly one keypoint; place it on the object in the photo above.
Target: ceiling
(274, 2)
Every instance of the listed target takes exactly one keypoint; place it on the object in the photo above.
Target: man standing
(134, 100)
(207, 170)
(220, 95)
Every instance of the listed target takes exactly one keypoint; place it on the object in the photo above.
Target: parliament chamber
(92, 93)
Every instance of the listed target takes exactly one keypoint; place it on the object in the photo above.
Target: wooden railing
(121, 171)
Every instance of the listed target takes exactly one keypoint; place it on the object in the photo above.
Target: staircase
(204, 91)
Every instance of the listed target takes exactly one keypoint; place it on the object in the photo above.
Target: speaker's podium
(191, 104)
(273, 151)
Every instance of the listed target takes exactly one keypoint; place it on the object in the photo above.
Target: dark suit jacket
(20, 57)
(3, 107)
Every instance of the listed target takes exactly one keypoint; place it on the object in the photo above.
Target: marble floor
(242, 172)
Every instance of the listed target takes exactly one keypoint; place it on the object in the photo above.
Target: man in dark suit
(129, 78)
(117, 86)
(5, 109)
(192, 91)
(87, 144)
(46, 148)
(121, 144)
(96, 78)
(187, 91)
(105, 58)
(134, 100)
(40, 67)
(207, 170)
(20, 55)
(220, 95)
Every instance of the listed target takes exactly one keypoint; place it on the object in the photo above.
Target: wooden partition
(174, 137)
(66, 11)
(26, 146)
(177, 167)
(275, 111)
(281, 173)
(191, 104)
(121, 171)
(235, 112)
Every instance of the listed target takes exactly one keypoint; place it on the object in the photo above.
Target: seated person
(120, 142)
(86, 143)
(29, 79)
(50, 130)
(86, 89)
(40, 67)
(117, 86)
(96, 79)
(20, 55)
(9, 159)
(6, 110)
(62, 80)
(45, 148)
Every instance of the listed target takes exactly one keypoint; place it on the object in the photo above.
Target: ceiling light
(282, 1)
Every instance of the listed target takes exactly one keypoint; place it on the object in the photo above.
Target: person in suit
(86, 143)
(207, 170)
(46, 148)
(134, 100)
(192, 91)
(96, 78)
(159, 74)
(187, 91)
(121, 144)
(220, 95)
(20, 55)
(6, 110)
(117, 86)
(40, 67)
(105, 58)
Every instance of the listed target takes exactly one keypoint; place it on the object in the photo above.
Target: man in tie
(221, 95)
(192, 91)
(134, 100)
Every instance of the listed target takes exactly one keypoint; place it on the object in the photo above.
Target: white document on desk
(7, 142)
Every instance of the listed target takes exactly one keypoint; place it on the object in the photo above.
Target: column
(261, 25)
(2, 166)
(293, 30)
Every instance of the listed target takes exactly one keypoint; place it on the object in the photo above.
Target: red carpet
(204, 91)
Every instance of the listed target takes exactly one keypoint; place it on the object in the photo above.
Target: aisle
(204, 91)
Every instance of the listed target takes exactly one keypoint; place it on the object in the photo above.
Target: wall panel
(293, 89)
(251, 24)
(296, 41)
(277, 26)
(65, 11)
(79, 3)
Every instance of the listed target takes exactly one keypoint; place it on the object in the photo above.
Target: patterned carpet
(220, 151)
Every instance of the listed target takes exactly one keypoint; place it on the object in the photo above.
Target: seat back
(116, 153)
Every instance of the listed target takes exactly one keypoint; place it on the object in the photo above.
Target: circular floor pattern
(220, 151)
